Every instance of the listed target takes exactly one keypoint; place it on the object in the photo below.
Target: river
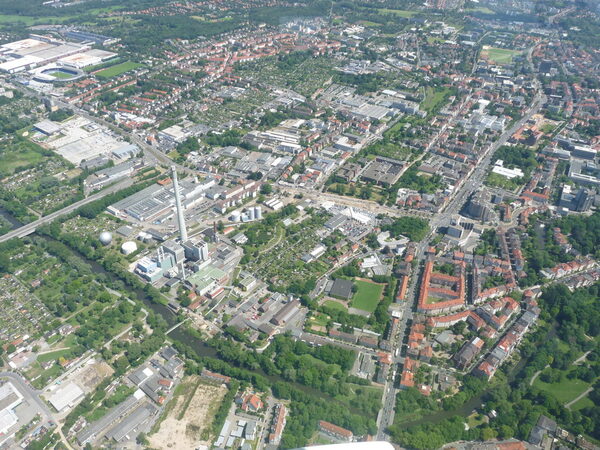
(180, 334)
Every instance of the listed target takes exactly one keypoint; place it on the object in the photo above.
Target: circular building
(128, 247)
(105, 237)
(56, 74)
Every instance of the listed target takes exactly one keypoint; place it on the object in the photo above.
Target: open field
(565, 390)
(499, 55)
(118, 69)
(584, 402)
(52, 356)
(335, 305)
(188, 415)
(367, 296)
(398, 12)
(21, 153)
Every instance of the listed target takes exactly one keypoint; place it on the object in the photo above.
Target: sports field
(499, 55)
(367, 296)
(118, 69)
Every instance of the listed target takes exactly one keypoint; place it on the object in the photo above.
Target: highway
(29, 228)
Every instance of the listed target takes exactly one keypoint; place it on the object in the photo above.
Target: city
(258, 225)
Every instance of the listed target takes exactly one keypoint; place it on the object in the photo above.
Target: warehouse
(129, 427)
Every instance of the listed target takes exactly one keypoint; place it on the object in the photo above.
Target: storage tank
(235, 216)
(105, 237)
(258, 212)
(250, 213)
(128, 247)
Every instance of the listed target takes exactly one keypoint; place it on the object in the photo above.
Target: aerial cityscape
(248, 225)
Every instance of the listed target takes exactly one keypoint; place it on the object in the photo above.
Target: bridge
(30, 228)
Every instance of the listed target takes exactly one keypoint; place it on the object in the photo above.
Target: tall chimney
(180, 218)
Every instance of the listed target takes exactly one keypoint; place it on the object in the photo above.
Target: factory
(157, 200)
(10, 398)
(38, 51)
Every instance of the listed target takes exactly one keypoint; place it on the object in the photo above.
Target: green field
(114, 71)
(499, 55)
(367, 296)
(19, 154)
(61, 75)
(52, 356)
(564, 391)
(335, 305)
(434, 98)
(398, 12)
(584, 402)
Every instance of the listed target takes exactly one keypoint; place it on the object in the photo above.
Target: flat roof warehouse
(38, 51)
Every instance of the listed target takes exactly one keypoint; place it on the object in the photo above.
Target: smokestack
(180, 218)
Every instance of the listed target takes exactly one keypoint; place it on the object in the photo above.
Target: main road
(29, 228)
(471, 183)
(153, 155)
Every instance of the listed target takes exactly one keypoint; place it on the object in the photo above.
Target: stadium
(56, 74)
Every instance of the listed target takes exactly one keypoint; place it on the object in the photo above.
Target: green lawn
(367, 296)
(500, 55)
(21, 153)
(434, 98)
(481, 9)
(335, 305)
(564, 391)
(584, 402)
(52, 356)
(398, 12)
(61, 75)
(118, 69)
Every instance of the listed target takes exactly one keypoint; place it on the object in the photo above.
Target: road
(153, 155)
(367, 205)
(471, 183)
(32, 395)
(29, 228)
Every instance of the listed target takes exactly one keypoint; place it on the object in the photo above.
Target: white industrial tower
(180, 219)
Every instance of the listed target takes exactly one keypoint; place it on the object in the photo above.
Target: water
(14, 223)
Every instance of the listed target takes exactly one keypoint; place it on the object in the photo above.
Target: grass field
(335, 305)
(499, 55)
(564, 391)
(367, 296)
(434, 98)
(23, 153)
(52, 356)
(118, 69)
(61, 75)
(584, 402)
(398, 12)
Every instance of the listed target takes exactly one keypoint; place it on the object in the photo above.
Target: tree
(266, 189)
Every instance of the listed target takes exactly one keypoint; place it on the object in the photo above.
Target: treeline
(223, 411)
(413, 228)
(422, 184)
(293, 361)
(517, 156)
(307, 410)
(92, 209)
(583, 232)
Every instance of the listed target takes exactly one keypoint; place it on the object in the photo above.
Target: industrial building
(39, 51)
(10, 398)
(155, 200)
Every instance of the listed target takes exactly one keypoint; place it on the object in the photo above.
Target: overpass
(30, 228)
